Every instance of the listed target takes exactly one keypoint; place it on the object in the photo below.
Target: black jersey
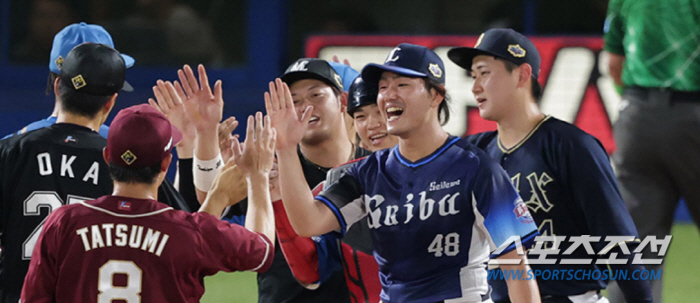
(279, 285)
(39, 172)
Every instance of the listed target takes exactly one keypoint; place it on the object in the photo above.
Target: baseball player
(68, 38)
(562, 173)
(436, 206)
(60, 164)
(129, 247)
(355, 251)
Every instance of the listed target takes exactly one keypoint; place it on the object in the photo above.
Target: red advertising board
(577, 87)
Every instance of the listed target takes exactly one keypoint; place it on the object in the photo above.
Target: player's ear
(165, 164)
(344, 101)
(525, 75)
(110, 104)
(437, 96)
(55, 85)
(105, 155)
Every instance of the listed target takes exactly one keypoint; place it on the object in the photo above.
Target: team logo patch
(78, 82)
(123, 205)
(338, 80)
(435, 70)
(521, 212)
(393, 56)
(59, 62)
(128, 157)
(70, 139)
(516, 50)
(478, 41)
(299, 66)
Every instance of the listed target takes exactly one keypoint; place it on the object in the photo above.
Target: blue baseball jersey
(564, 176)
(51, 120)
(433, 222)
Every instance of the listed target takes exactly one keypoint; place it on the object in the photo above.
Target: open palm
(204, 109)
(280, 108)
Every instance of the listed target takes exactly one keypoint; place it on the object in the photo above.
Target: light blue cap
(75, 34)
(347, 73)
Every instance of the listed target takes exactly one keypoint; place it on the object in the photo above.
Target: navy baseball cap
(361, 93)
(408, 60)
(312, 68)
(94, 69)
(347, 73)
(503, 43)
(155, 140)
(75, 34)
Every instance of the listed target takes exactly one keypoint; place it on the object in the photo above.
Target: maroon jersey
(135, 250)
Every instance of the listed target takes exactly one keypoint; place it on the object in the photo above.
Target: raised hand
(226, 138)
(204, 108)
(345, 61)
(169, 102)
(257, 156)
(280, 108)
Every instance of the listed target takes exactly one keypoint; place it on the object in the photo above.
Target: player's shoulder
(482, 140)
(567, 134)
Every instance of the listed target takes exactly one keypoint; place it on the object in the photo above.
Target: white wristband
(204, 171)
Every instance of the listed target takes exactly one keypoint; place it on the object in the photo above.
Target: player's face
(404, 102)
(327, 114)
(494, 87)
(371, 127)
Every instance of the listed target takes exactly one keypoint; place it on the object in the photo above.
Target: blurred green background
(680, 275)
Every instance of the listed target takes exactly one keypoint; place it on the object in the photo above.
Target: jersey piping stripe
(126, 216)
(403, 161)
(512, 149)
(267, 253)
(524, 242)
(336, 212)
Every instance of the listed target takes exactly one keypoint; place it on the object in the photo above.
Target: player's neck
(515, 127)
(91, 123)
(136, 190)
(422, 141)
(329, 153)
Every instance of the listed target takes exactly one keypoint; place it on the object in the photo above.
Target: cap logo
(59, 62)
(392, 57)
(170, 144)
(435, 70)
(128, 157)
(299, 66)
(478, 41)
(516, 50)
(78, 82)
(338, 80)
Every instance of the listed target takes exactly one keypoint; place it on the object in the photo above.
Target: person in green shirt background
(654, 51)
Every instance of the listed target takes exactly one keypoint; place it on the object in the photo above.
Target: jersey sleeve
(42, 276)
(344, 197)
(500, 210)
(593, 187)
(614, 29)
(230, 247)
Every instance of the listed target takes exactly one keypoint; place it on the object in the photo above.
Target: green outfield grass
(680, 279)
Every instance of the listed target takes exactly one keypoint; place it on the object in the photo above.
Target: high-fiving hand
(204, 108)
(257, 156)
(283, 115)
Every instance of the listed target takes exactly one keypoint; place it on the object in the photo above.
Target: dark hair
(444, 107)
(534, 87)
(146, 175)
(80, 103)
(49, 82)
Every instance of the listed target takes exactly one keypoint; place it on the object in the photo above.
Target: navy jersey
(565, 178)
(433, 222)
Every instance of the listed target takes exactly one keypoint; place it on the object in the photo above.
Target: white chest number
(130, 292)
(32, 206)
(445, 244)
